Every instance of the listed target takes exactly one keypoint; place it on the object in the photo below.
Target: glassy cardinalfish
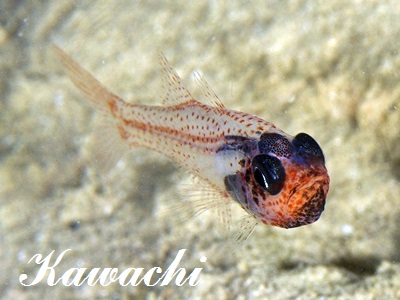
(276, 178)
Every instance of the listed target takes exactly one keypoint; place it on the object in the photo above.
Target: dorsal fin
(209, 94)
(174, 92)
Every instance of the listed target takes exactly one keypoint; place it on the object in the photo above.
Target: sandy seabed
(331, 70)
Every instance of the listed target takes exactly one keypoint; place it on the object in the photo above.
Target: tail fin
(108, 144)
(99, 96)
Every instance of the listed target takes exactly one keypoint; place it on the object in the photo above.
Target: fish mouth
(311, 210)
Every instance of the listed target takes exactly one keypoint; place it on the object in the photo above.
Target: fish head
(284, 183)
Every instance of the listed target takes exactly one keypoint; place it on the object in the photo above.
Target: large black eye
(307, 147)
(269, 173)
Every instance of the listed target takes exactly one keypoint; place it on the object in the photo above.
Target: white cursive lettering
(106, 276)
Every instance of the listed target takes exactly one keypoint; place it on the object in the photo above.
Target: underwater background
(330, 69)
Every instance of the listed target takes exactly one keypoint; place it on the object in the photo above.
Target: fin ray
(94, 91)
(211, 97)
(174, 92)
(108, 143)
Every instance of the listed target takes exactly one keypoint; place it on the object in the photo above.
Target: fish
(278, 179)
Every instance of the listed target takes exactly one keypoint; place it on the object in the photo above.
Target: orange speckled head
(303, 194)
(284, 183)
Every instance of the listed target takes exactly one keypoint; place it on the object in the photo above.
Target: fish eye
(306, 146)
(269, 173)
(275, 143)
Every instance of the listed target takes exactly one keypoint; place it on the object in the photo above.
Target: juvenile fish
(276, 178)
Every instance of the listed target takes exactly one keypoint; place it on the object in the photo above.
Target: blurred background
(330, 69)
